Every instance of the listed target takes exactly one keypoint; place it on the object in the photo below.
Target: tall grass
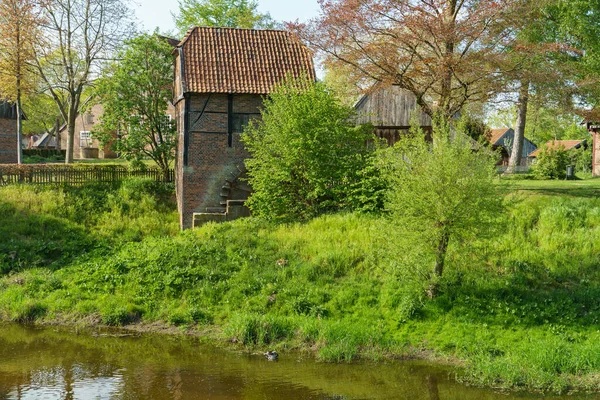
(50, 227)
(516, 309)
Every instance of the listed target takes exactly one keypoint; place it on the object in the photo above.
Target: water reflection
(54, 364)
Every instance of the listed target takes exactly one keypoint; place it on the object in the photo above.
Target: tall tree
(134, 92)
(227, 13)
(542, 66)
(81, 35)
(519, 137)
(579, 25)
(446, 52)
(19, 27)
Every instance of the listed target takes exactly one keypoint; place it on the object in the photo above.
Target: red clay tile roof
(229, 60)
(555, 144)
(496, 134)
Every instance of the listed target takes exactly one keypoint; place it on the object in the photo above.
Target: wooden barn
(503, 139)
(221, 77)
(389, 109)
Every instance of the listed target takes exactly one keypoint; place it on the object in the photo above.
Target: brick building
(84, 145)
(221, 76)
(8, 133)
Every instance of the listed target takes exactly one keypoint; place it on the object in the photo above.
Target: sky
(157, 13)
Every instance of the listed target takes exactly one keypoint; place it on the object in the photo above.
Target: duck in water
(272, 355)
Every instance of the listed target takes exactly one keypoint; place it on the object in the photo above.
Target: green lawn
(588, 187)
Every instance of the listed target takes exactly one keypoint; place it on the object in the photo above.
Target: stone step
(215, 210)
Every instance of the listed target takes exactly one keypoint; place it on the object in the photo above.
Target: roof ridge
(193, 28)
(242, 29)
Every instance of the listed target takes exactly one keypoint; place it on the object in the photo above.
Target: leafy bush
(306, 154)
(582, 159)
(551, 163)
(441, 193)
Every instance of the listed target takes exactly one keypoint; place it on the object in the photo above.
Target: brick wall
(86, 122)
(214, 155)
(8, 141)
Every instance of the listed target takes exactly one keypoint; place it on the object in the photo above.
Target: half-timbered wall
(210, 151)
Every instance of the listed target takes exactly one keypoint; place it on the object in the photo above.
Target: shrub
(440, 193)
(551, 163)
(306, 154)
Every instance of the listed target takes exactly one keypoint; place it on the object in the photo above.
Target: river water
(48, 363)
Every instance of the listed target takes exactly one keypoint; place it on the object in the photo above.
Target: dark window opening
(239, 122)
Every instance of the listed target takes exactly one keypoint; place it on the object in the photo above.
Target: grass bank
(518, 309)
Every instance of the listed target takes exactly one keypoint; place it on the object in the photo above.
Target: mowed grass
(518, 309)
(588, 187)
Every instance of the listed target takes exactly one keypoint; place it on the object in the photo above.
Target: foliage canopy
(135, 92)
(226, 13)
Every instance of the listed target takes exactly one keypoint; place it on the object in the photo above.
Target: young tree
(227, 13)
(551, 163)
(440, 194)
(81, 36)
(19, 28)
(134, 92)
(446, 52)
(306, 153)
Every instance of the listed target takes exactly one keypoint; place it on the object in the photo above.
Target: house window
(85, 139)
(89, 118)
(239, 122)
(167, 123)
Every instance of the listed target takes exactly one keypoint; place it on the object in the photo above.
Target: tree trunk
(19, 125)
(57, 133)
(517, 146)
(72, 116)
(438, 269)
(447, 61)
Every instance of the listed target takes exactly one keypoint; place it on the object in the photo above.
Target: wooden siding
(389, 107)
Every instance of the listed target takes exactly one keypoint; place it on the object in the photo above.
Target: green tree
(551, 163)
(19, 31)
(440, 194)
(134, 92)
(227, 13)
(307, 156)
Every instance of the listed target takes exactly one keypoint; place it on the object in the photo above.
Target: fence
(75, 174)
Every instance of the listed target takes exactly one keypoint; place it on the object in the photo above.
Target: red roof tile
(229, 60)
(556, 144)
